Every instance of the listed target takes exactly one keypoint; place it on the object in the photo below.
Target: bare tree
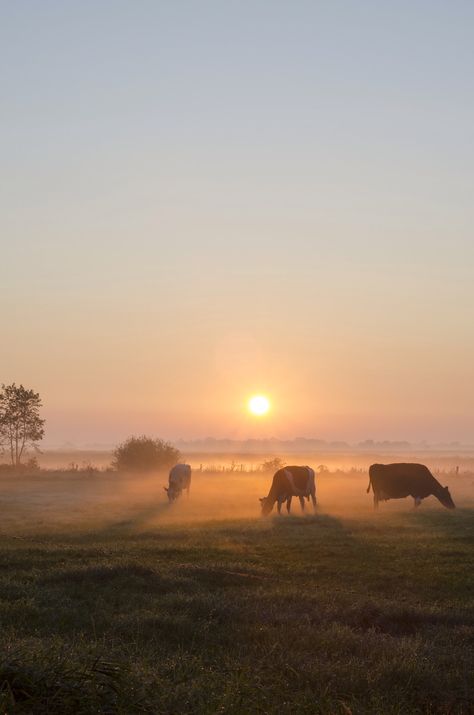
(20, 423)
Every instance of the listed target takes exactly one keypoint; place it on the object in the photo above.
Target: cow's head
(172, 493)
(446, 499)
(266, 505)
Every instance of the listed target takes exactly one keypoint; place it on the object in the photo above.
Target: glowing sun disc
(259, 405)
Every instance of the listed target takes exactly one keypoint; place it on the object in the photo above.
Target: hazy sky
(201, 200)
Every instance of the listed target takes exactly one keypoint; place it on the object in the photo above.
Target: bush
(141, 454)
(272, 465)
(30, 467)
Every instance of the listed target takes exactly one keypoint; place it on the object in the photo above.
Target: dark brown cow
(287, 483)
(397, 481)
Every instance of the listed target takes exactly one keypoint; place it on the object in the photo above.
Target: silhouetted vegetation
(272, 465)
(142, 454)
(21, 426)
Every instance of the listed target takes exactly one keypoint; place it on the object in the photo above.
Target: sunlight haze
(207, 201)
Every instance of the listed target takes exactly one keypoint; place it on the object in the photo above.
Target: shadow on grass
(128, 576)
(314, 530)
(294, 521)
(399, 621)
(448, 521)
(135, 522)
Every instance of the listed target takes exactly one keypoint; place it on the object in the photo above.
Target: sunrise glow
(259, 405)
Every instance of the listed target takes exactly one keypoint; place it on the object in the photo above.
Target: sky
(204, 200)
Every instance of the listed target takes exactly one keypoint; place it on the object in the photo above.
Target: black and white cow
(179, 479)
(287, 483)
(397, 481)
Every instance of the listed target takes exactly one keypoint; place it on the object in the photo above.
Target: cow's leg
(302, 503)
(376, 501)
(279, 506)
(417, 502)
(288, 505)
(313, 499)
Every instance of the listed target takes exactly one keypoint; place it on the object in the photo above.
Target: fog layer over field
(81, 500)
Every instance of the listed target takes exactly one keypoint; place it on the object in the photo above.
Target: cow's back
(400, 480)
(300, 476)
(180, 474)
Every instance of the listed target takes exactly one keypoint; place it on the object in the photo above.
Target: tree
(141, 454)
(21, 426)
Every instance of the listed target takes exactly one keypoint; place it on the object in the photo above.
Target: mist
(90, 500)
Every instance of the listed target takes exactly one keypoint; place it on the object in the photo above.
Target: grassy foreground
(286, 615)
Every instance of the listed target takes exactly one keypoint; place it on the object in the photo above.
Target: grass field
(112, 602)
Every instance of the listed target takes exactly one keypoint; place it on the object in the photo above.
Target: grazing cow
(179, 479)
(397, 481)
(288, 483)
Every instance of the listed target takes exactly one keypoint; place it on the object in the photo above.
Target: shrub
(32, 465)
(141, 454)
(272, 465)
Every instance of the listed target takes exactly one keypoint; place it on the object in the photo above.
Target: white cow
(179, 479)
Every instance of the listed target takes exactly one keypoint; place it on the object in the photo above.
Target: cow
(179, 479)
(397, 481)
(287, 483)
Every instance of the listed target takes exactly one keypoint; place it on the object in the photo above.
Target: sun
(259, 405)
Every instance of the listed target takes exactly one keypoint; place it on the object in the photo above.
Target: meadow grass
(315, 614)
